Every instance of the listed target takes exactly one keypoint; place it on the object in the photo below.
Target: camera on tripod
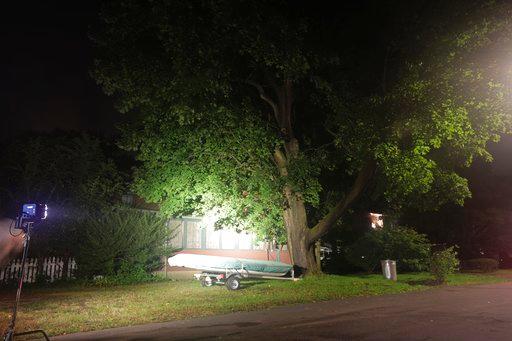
(28, 216)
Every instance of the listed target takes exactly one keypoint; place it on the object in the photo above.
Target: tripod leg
(9, 335)
(10, 330)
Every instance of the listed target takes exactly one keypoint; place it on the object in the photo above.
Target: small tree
(122, 239)
(443, 263)
(409, 248)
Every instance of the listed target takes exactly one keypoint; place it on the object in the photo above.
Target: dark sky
(44, 81)
(502, 151)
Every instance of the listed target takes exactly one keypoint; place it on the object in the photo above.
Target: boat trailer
(231, 278)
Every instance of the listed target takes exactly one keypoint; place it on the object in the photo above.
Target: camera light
(34, 212)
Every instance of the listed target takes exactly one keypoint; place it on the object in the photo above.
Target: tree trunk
(299, 245)
(301, 239)
(294, 215)
(318, 254)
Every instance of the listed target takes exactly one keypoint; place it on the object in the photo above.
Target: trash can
(389, 269)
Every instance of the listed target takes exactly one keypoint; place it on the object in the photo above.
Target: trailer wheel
(206, 281)
(233, 283)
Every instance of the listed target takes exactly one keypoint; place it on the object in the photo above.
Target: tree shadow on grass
(414, 282)
(365, 275)
(248, 284)
(426, 282)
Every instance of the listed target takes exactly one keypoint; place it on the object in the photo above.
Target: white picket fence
(50, 268)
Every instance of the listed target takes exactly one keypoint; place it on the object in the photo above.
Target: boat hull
(242, 266)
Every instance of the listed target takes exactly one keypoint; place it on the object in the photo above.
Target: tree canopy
(247, 107)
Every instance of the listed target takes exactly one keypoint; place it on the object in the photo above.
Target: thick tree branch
(324, 225)
(266, 98)
(288, 103)
(285, 96)
(281, 162)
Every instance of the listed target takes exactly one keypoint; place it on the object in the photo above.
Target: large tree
(244, 107)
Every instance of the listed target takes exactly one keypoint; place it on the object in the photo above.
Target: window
(191, 233)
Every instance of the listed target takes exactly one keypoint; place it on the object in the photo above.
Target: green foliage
(443, 263)
(448, 100)
(223, 165)
(127, 274)
(205, 139)
(409, 248)
(58, 235)
(121, 242)
(482, 264)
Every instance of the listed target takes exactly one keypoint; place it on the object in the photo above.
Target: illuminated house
(193, 235)
(198, 236)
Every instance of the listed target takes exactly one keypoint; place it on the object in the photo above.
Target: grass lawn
(62, 310)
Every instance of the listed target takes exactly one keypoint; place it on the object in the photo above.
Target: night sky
(44, 81)
(45, 85)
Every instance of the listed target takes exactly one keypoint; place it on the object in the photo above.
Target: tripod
(10, 334)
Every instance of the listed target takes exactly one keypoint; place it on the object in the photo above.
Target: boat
(224, 265)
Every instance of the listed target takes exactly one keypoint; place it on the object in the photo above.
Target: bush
(443, 263)
(121, 241)
(482, 264)
(126, 275)
(409, 248)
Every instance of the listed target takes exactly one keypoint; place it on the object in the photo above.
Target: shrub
(482, 264)
(443, 263)
(116, 241)
(126, 275)
(409, 248)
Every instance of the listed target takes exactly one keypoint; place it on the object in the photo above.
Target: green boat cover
(204, 262)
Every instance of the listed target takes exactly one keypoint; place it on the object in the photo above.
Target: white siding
(193, 235)
(199, 236)
(213, 238)
(229, 239)
(176, 227)
(245, 241)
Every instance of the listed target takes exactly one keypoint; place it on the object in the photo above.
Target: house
(196, 235)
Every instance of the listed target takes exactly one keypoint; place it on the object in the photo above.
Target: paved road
(452, 313)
